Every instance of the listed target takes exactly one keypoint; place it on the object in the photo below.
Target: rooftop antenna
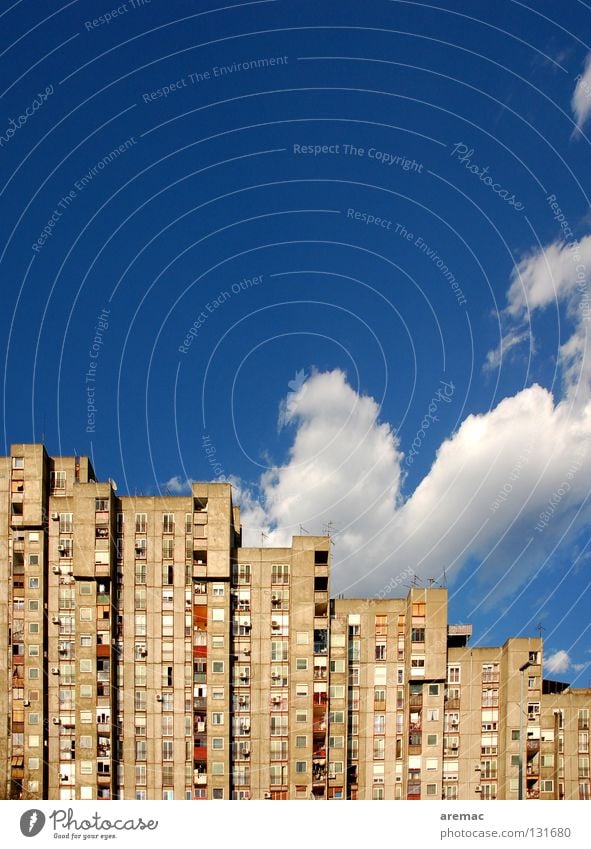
(263, 537)
(303, 530)
(414, 582)
(327, 531)
(539, 629)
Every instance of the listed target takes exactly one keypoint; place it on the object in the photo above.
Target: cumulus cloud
(503, 493)
(581, 99)
(558, 662)
(485, 492)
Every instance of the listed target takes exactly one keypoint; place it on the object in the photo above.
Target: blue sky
(338, 253)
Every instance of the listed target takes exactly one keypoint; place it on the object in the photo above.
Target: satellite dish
(113, 484)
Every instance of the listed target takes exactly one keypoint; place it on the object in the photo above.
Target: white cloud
(177, 485)
(558, 662)
(555, 274)
(480, 500)
(581, 99)
(549, 275)
(511, 340)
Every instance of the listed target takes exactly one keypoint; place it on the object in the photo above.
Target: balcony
(415, 700)
(533, 746)
(452, 704)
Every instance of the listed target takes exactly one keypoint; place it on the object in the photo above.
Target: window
(380, 675)
(167, 549)
(280, 573)
(302, 716)
(279, 649)
(432, 714)
(379, 748)
(217, 666)
(141, 522)
(66, 523)
(168, 523)
(453, 674)
(431, 789)
(217, 614)
(515, 734)
(417, 635)
(241, 573)
(278, 725)
(337, 692)
(217, 743)
(217, 719)
(379, 723)
(547, 786)
(301, 766)
(86, 666)
(167, 750)
(33, 583)
(18, 462)
(433, 689)
(302, 638)
(217, 590)
(57, 481)
(141, 548)
(301, 663)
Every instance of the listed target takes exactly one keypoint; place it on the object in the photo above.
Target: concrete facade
(149, 655)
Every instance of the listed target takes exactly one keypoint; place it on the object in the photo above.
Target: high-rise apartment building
(148, 655)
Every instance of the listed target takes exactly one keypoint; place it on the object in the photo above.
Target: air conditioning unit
(56, 720)
(276, 700)
(266, 795)
(158, 697)
(246, 753)
(246, 651)
(69, 571)
(275, 624)
(478, 789)
(26, 703)
(55, 620)
(55, 670)
(56, 570)
(55, 516)
(242, 700)
(274, 597)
